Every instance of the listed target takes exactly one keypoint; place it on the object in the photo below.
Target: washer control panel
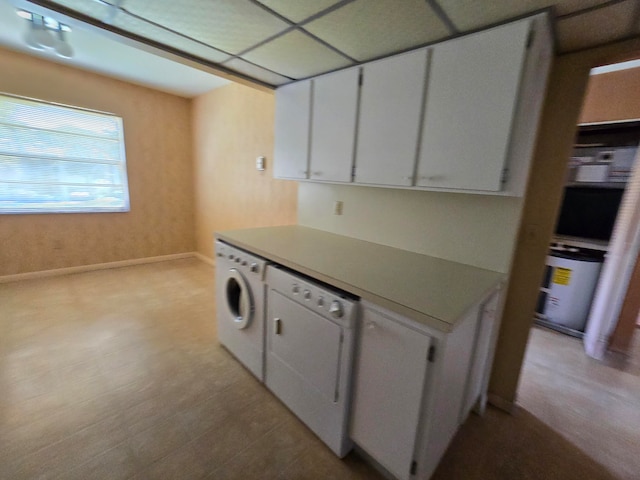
(233, 257)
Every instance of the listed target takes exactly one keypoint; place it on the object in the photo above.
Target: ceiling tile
(100, 11)
(471, 14)
(105, 54)
(256, 72)
(596, 27)
(296, 55)
(365, 29)
(295, 10)
(160, 35)
(229, 25)
(122, 20)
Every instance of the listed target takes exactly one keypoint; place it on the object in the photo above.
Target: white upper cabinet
(292, 123)
(472, 96)
(333, 125)
(389, 123)
(459, 116)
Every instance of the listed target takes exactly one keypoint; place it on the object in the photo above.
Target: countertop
(429, 290)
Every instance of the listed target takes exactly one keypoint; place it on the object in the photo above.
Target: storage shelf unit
(610, 148)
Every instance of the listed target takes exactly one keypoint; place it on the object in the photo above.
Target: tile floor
(595, 405)
(117, 374)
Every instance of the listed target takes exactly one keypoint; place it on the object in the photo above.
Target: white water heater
(571, 284)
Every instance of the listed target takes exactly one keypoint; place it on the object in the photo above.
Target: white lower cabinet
(392, 364)
(414, 386)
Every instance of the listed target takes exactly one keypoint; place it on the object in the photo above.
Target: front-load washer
(240, 305)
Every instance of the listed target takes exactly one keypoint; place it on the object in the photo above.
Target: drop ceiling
(273, 42)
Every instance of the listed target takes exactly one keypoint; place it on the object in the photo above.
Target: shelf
(601, 245)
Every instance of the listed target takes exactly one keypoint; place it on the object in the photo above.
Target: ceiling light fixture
(46, 33)
(61, 47)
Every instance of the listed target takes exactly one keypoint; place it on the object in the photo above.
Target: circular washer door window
(239, 301)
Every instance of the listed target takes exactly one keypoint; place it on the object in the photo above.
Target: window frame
(121, 163)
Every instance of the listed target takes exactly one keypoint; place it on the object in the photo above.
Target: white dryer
(240, 294)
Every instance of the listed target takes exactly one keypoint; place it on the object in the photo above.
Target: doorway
(594, 403)
(597, 234)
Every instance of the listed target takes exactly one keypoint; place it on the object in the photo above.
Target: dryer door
(238, 299)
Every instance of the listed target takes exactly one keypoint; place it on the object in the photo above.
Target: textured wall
(232, 126)
(612, 96)
(158, 145)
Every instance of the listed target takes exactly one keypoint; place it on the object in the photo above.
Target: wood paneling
(232, 126)
(157, 130)
(612, 97)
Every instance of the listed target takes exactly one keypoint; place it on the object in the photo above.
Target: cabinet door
(333, 125)
(470, 104)
(293, 114)
(391, 368)
(482, 357)
(389, 119)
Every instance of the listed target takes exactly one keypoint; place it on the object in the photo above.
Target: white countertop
(429, 290)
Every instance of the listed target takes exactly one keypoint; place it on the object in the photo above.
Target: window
(56, 159)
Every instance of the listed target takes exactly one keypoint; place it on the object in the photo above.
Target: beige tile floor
(595, 405)
(117, 374)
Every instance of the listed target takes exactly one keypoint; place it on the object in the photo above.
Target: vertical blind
(57, 159)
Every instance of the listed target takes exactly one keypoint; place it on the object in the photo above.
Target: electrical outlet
(337, 207)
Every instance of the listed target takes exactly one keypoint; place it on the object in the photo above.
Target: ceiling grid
(278, 41)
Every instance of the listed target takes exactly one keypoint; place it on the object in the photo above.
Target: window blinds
(56, 159)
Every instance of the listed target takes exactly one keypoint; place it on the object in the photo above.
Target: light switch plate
(260, 163)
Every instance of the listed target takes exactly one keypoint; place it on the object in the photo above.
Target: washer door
(238, 297)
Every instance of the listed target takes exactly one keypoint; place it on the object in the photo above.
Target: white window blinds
(56, 159)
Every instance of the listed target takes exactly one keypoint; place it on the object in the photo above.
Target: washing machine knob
(307, 295)
(295, 289)
(231, 256)
(255, 268)
(320, 302)
(244, 263)
(237, 259)
(336, 309)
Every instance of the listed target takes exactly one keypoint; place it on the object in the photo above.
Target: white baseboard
(96, 266)
(205, 259)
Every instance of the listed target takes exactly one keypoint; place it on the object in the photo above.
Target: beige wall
(232, 126)
(567, 87)
(612, 96)
(478, 230)
(158, 146)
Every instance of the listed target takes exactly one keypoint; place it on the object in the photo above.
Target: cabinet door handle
(317, 174)
(410, 177)
(432, 178)
(277, 326)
